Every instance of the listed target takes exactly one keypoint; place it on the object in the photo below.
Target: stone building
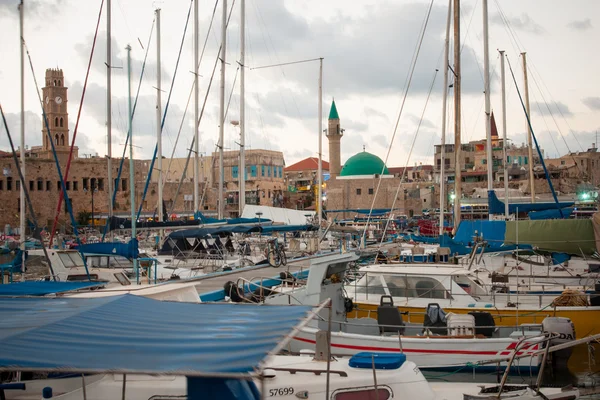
(582, 166)
(303, 175)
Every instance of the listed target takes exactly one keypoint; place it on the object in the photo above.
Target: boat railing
(255, 284)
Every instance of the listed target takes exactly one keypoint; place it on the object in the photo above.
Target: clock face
(47, 99)
(58, 100)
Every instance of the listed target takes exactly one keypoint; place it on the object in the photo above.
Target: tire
(274, 258)
(283, 257)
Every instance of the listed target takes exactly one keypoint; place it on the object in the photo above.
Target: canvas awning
(137, 335)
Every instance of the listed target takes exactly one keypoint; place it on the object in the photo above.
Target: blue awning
(134, 334)
(223, 230)
(127, 250)
(496, 206)
(551, 214)
(288, 228)
(44, 288)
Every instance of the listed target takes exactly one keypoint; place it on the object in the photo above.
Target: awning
(44, 288)
(128, 250)
(288, 228)
(133, 334)
(224, 230)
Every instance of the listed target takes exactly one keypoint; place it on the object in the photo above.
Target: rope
(68, 167)
(162, 124)
(137, 95)
(409, 81)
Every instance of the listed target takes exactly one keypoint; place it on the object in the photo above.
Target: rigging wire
(412, 146)
(68, 166)
(408, 84)
(120, 170)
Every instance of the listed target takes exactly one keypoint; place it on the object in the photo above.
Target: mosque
(355, 184)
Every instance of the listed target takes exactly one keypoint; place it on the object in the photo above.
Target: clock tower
(55, 108)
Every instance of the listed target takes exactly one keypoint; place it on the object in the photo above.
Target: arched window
(55, 82)
(62, 140)
(56, 139)
(56, 122)
(61, 122)
(59, 83)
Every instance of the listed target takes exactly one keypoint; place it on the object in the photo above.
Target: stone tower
(55, 108)
(334, 135)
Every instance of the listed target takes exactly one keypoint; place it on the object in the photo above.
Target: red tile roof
(308, 164)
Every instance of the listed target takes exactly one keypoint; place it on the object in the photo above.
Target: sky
(367, 46)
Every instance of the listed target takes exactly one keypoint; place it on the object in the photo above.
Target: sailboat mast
(488, 122)
(320, 167)
(457, 116)
(529, 136)
(109, 108)
(158, 119)
(220, 207)
(504, 141)
(444, 103)
(196, 110)
(242, 171)
(22, 153)
(131, 163)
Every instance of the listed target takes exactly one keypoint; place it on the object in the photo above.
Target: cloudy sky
(367, 46)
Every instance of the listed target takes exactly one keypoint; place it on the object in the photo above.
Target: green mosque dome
(364, 164)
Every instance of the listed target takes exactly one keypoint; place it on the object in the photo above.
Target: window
(47, 186)
(358, 192)
(370, 190)
(234, 171)
(40, 185)
(61, 122)
(370, 285)
(520, 160)
(86, 183)
(18, 185)
(1, 185)
(56, 122)
(68, 185)
(268, 170)
(526, 160)
(56, 139)
(62, 140)
(75, 185)
(9, 183)
(123, 184)
(31, 185)
(262, 170)
(19, 204)
(100, 183)
(58, 186)
(93, 184)
(562, 162)
(362, 394)
(68, 204)
(253, 170)
(484, 161)
(281, 172)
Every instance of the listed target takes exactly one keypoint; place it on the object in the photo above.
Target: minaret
(55, 107)
(334, 135)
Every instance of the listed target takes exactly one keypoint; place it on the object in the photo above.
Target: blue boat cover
(496, 206)
(128, 250)
(223, 230)
(374, 212)
(379, 360)
(44, 288)
(230, 221)
(492, 231)
(134, 334)
(551, 214)
(288, 228)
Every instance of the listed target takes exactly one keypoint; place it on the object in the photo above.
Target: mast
(320, 167)
(220, 207)
(529, 136)
(109, 108)
(131, 164)
(504, 142)
(22, 153)
(444, 103)
(488, 123)
(158, 119)
(242, 171)
(457, 140)
(196, 110)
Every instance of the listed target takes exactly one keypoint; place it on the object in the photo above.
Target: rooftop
(310, 163)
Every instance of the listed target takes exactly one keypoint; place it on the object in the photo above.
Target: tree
(83, 217)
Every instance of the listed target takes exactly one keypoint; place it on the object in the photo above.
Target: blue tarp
(134, 334)
(497, 207)
(492, 231)
(231, 221)
(43, 288)
(223, 230)
(551, 214)
(128, 250)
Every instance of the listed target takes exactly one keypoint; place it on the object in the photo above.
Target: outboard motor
(566, 330)
(435, 320)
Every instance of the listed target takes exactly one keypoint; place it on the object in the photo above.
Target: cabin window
(363, 394)
(71, 259)
(371, 285)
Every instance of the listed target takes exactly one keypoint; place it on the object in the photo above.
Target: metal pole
(444, 103)
(220, 204)
(457, 116)
(320, 167)
(93, 219)
(109, 108)
(328, 350)
(22, 211)
(488, 122)
(504, 141)
(158, 121)
(529, 135)
(196, 110)
(131, 164)
(242, 171)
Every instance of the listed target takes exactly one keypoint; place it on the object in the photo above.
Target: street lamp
(93, 189)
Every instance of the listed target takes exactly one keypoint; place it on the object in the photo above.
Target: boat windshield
(415, 287)
(71, 259)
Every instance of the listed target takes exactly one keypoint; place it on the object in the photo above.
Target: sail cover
(133, 334)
